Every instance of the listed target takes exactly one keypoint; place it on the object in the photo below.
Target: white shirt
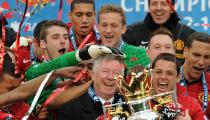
(103, 101)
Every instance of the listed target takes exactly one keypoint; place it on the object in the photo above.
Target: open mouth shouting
(109, 37)
(198, 69)
(162, 86)
(62, 51)
(159, 14)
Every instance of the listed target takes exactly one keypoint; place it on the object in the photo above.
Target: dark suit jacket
(83, 108)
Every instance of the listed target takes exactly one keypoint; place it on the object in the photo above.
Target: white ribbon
(41, 87)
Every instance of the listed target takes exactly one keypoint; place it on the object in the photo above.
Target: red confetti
(30, 2)
(5, 5)
(26, 28)
(34, 2)
(8, 15)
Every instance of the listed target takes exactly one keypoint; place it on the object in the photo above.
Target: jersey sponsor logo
(25, 61)
(144, 42)
(179, 44)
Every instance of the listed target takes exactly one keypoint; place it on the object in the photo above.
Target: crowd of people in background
(84, 57)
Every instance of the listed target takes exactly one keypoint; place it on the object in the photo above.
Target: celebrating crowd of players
(86, 56)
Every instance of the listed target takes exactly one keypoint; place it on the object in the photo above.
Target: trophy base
(144, 115)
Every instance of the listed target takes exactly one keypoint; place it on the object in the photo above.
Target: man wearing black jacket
(103, 90)
(161, 14)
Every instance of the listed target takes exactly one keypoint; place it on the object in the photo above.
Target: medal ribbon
(205, 87)
(73, 39)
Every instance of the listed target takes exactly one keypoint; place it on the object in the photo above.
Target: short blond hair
(110, 8)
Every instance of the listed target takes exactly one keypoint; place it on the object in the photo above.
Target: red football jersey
(196, 90)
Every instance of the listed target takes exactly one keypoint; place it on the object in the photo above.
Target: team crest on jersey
(179, 44)
(200, 97)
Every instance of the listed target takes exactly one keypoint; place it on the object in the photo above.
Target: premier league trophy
(138, 96)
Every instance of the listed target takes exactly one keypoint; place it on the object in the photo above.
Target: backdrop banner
(194, 13)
